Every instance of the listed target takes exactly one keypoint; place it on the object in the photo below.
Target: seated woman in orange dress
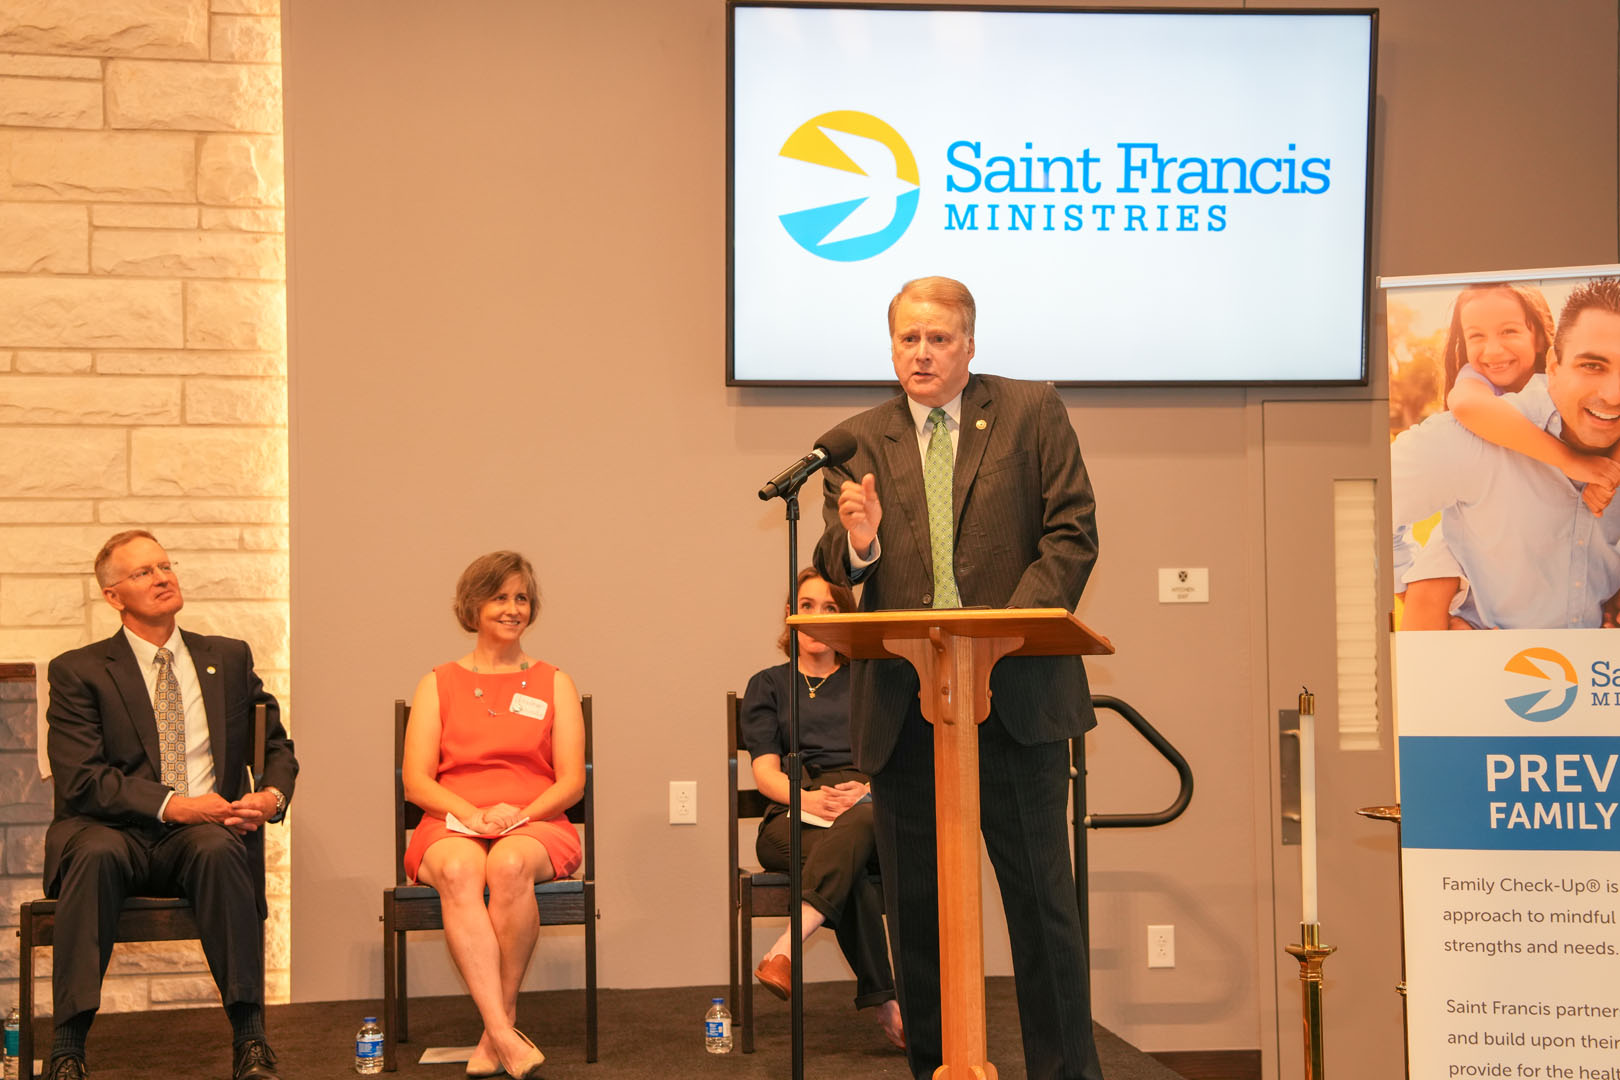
(494, 754)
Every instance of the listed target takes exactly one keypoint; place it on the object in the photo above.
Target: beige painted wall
(507, 274)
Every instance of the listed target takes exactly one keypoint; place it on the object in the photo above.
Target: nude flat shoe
(529, 1067)
(483, 1068)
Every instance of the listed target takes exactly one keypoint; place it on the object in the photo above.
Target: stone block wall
(142, 373)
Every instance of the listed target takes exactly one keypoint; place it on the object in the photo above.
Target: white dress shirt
(199, 754)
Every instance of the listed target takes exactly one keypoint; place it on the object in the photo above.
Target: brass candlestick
(1310, 955)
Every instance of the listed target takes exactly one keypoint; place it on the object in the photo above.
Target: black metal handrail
(1083, 820)
(1157, 740)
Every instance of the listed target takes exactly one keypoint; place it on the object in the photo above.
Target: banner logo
(1550, 701)
(857, 143)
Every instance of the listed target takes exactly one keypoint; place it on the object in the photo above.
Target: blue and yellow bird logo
(857, 145)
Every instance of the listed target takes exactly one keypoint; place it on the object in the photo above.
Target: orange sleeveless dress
(504, 757)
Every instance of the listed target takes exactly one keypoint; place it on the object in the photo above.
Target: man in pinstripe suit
(1022, 533)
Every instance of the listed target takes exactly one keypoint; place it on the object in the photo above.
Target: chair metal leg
(25, 993)
(590, 971)
(746, 931)
(390, 988)
(402, 989)
(736, 956)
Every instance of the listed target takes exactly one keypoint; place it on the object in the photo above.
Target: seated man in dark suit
(150, 742)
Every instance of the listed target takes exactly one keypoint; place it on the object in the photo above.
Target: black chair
(407, 907)
(144, 918)
(755, 893)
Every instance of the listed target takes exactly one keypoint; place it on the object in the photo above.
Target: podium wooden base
(953, 652)
(955, 675)
(986, 1071)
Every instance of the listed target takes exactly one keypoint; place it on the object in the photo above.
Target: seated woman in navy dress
(841, 887)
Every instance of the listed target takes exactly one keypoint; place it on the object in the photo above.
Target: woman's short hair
(1537, 316)
(842, 595)
(482, 580)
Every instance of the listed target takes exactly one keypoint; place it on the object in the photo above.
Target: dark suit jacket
(1026, 536)
(103, 739)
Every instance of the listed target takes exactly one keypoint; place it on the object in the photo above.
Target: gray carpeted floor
(644, 1034)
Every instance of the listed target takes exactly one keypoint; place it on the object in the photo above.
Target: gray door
(1307, 446)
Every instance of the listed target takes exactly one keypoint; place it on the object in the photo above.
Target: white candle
(1307, 804)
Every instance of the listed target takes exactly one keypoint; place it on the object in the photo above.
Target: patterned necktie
(938, 468)
(171, 724)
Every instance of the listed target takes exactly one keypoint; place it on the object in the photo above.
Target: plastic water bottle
(13, 1037)
(717, 1028)
(368, 1055)
(13, 1033)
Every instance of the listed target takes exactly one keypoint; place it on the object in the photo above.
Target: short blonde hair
(482, 581)
(114, 542)
(938, 290)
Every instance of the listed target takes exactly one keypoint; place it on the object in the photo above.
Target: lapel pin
(210, 669)
(980, 424)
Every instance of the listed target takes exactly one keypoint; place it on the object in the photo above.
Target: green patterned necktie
(170, 713)
(938, 467)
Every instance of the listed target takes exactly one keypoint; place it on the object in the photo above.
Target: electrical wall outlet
(683, 802)
(1161, 946)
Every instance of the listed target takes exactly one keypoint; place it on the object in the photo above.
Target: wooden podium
(953, 650)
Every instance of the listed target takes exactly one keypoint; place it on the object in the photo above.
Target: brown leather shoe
(776, 972)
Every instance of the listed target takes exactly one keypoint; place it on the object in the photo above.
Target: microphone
(833, 448)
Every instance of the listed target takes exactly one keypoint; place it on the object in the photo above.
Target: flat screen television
(1142, 197)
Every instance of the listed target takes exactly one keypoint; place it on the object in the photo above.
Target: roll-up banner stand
(1504, 402)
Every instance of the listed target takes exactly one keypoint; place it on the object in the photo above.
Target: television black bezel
(1367, 209)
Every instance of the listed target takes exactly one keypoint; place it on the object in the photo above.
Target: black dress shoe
(254, 1060)
(66, 1067)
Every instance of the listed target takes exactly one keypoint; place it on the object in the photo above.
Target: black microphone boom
(833, 448)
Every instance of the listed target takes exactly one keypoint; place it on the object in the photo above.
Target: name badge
(524, 705)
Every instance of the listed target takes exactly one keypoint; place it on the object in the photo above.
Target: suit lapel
(976, 424)
(905, 471)
(126, 675)
(213, 695)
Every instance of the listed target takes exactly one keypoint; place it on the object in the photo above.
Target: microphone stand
(834, 448)
(795, 826)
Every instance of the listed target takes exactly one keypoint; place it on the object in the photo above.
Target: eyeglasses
(143, 576)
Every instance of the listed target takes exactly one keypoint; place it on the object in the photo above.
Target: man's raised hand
(859, 512)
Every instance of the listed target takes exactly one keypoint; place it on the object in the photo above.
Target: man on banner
(984, 501)
(1532, 553)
